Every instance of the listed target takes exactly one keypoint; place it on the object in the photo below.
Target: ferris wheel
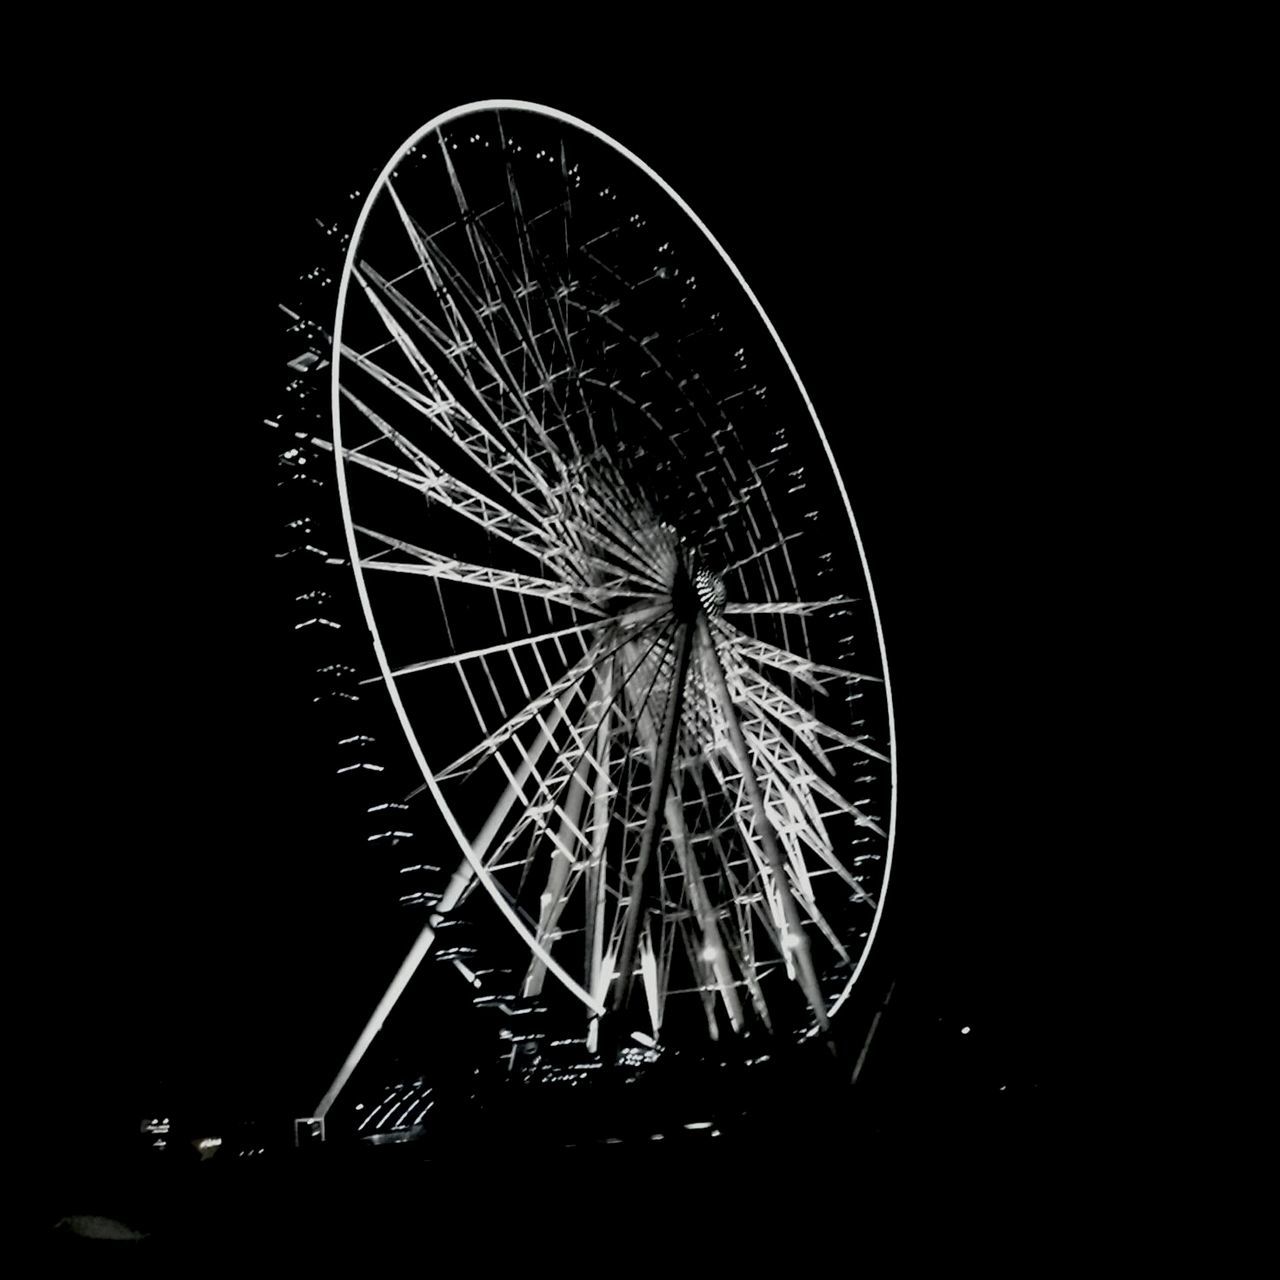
(614, 587)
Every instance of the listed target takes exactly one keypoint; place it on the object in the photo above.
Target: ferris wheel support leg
(796, 937)
(663, 756)
(456, 889)
(595, 895)
(554, 896)
(714, 955)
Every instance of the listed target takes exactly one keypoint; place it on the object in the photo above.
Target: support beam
(871, 1032)
(594, 908)
(664, 753)
(458, 886)
(714, 956)
(558, 888)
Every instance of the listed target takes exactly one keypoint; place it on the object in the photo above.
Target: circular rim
(482, 874)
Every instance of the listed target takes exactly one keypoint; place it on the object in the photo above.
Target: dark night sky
(932, 251)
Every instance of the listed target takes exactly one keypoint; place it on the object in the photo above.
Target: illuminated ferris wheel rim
(481, 872)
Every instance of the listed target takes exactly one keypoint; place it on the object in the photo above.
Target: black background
(944, 249)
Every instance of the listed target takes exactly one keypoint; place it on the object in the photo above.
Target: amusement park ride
(611, 588)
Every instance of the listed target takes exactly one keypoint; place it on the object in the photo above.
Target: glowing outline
(433, 125)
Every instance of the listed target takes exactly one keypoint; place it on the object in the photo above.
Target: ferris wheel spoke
(469, 335)
(398, 333)
(615, 529)
(597, 549)
(439, 485)
(799, 608)
(558, 794)
(566, 765)
(432, 564)
(760, 553)
(760, 651)
(781, 783)
(521, 318)
(828, 792)
(616, 516)
(471, 312)
(376, 285)
(388, 470)
(598, 654)
(610, 556)
(467, 315)
(426, 468)
(427, 263)
(769, 702)
(760, 492)
(577, 755)
(466, 218)
(567, 768)
(773, 702)
(793, 784)
(482, 845)
(510, 473)
(622, 286)
(627, 525)
(565, 206)
(509, 646)
(485, 350)
(471, 315)
(532, 262)
(796, 941)
(458, 407)
(473, 228)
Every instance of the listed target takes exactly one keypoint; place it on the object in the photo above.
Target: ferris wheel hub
(711, 590)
